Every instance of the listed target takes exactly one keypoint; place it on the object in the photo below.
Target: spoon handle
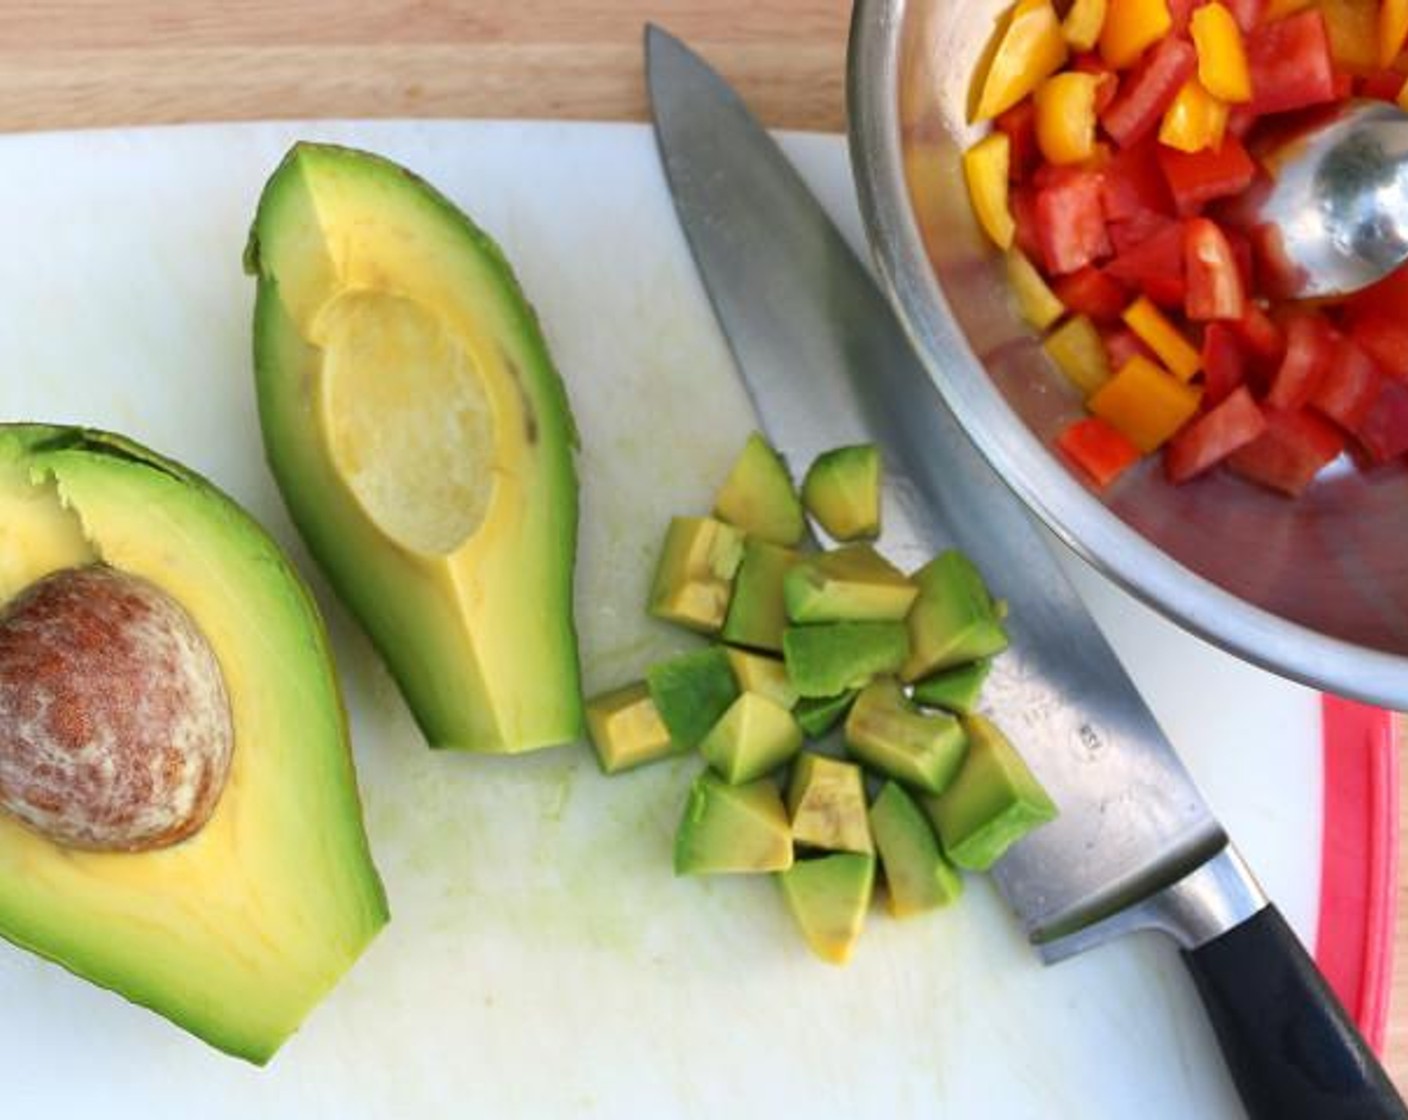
(1291, 1049)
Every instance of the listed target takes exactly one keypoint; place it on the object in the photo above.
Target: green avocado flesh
(753, 737)
(826, 804)
(850, 584)
(422, 440)
(954, 620)
(731, 829)
(758, 496)
(692, 692)
(917, 875)
(819, 714)
(956, 690)
(887, 733)
(828, 658)
(237, 932)
(756, 672)
(829, 897)
(694, 578)
(993, 802)
(626, 729)
(842, 491)
(757, 615)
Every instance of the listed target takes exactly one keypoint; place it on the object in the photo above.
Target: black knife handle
(1291, 1048)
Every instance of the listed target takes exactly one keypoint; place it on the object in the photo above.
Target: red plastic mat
(1359, 860)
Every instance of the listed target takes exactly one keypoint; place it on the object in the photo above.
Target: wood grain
(94, 63)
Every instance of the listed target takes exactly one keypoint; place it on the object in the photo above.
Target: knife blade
(826, 363)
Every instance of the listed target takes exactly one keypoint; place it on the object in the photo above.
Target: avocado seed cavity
(115, 727)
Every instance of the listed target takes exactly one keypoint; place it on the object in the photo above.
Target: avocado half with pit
(422, 440)
(232, 926)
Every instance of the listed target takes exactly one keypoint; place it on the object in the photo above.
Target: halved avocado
(422, 439)
(235, 933)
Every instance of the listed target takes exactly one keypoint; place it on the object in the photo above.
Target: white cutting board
(542, 960)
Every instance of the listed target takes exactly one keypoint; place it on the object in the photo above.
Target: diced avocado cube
(819, 714)
(732, 829)
(757, 616)
(758, 496)
(826, 804)
(691, 692)
(694, 578)
(756, 672)
(850, 584)
(954, 620)
(993, 803)
(885, 732)
(829, 898)
(918, 876)
(754, 737)
(828, 658)
(626, 729)
(956, 690)
(842, 491)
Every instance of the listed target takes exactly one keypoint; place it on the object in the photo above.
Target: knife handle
(1291, 1049)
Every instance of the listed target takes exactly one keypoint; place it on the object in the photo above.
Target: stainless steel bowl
(1315, 589)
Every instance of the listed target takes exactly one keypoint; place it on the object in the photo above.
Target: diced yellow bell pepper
(1029, 51)
(1393, 29)
(1353, 28)
(1083, 22)
(1222, 57)
(1403, 97)
(1196, 119)
(1145, 403)
(1131, 26)
(1036, 302)
(985, 167)
(1065, 116)
(1077, 348)
(1163, 338)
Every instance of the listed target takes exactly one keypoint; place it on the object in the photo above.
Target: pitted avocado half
(422, 440)
(236, 932)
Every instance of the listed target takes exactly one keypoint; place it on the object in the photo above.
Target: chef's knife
(827, 364)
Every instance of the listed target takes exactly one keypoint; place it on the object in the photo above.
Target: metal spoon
(1334, 214)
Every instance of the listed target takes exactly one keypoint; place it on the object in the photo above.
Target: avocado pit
(115, 725)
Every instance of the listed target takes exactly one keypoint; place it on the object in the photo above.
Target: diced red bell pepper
(1099, 449)
(1382, 336)
(1381, 85)
(1290, 63)
(1343, 86)
(1349, 385)
(1019, 122)
(1383, 430)
(1155, 267)
(1213, 436)
(1022, 202)
(1132, 184)
(1262, 339)
(1149, 89)
(1195, 178)
(1224, 363)
(1247, 13)
(1210, 270)
(1121, 344)
(1309, 344)
(1089, 291)
(1129, 234)
(1181, 11)
(1070, 222)
(1090, 62)
(1290, 452)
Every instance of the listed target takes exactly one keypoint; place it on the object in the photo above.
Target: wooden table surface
(83, 63)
